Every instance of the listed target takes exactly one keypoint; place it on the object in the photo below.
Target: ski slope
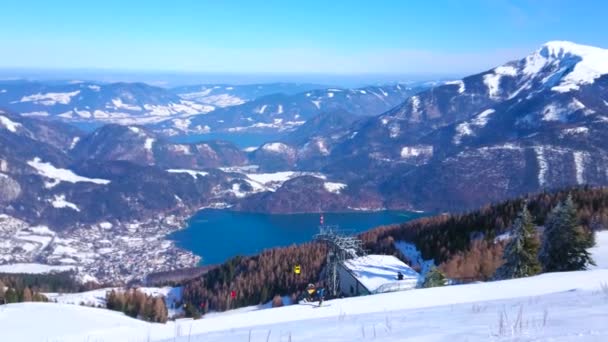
(550, 307)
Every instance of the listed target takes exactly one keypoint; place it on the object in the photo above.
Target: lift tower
(341, 247)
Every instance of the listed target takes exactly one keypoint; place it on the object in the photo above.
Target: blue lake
(240, 139)
(217, 235)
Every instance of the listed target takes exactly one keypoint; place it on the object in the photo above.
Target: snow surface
(336, 188)
(38, 113)
(415, 105)
(462, 130)
(95, 298)
(9, 124)
(74, 142)
(149, 143)
(593, 63)
(579, 166)
(416, 151)
(550, 307)
(559, 306)
(543, 166)
(378, 273)
(61, 175)
(182, 124)
(459, 83)
(482, 118)
(50, 99)
(118, 104)
(599, 253)
(275, 147)
(89, 298)
(59, 202)
(466, 128)
(33, 268)
(492, 80)
(261, 110)
(265, 178)
(322, 146)
(193, 173)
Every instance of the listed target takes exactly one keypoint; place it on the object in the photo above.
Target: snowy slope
(33, 268)
(556, 307)
(420, 311)
(600, 251)
(96, 101)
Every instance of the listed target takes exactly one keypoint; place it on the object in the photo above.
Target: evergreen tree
(565, 241)
(434, 278)
(2, 290)
(521, 253)
(11, 296)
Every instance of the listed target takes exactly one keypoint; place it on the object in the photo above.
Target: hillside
(282, 112)
(466, 246)
(533, 124)
(546, 307)
(95, 101)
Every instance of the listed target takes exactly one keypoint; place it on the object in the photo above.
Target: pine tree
(11, 296)
(521, 253)
(565, 243)
(434, 278)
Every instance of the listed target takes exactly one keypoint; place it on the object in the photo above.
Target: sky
(455, 37)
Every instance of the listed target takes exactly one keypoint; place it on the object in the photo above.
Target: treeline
(17, 293)
(137, 304)
(16, 288)
(255, 280)
(173, 277)
(464, 245)
(47, 282)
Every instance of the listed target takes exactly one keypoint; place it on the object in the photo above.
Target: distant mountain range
(528, 125)
(283, 112)
(195, 109)
(225, 95)
(531, 124)
(90, 101)
(536, 123)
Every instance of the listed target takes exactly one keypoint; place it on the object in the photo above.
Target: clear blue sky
(272, 36)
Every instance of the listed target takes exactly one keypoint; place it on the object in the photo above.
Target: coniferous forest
(464, 245)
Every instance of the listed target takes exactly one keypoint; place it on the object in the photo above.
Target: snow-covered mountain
(225, 95)
(94, 101)
(284, 112)
(140, 146)
(531, 124)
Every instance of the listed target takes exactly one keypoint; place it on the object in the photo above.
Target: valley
(141, 168)
(303, 171)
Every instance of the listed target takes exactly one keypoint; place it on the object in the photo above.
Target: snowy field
(570, 306)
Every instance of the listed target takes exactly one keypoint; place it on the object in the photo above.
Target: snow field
(550, 307)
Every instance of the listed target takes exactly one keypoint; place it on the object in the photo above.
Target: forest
(464, 245)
